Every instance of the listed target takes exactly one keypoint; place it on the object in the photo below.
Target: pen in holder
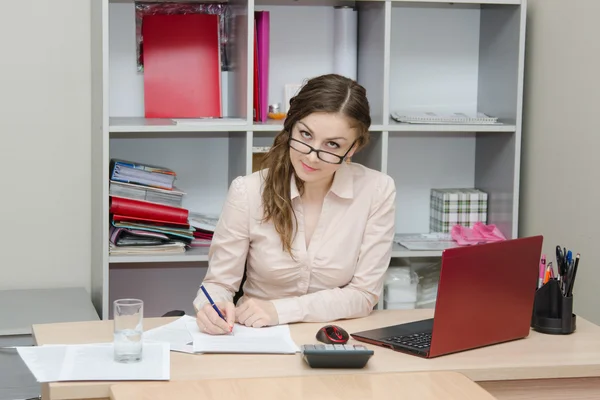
(552, 311)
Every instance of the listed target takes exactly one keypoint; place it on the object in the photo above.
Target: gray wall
(560, 187)
(45, 150)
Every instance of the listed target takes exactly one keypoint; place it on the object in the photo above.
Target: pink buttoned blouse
(339, 275)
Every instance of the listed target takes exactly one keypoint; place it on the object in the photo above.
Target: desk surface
(418, 385)
(23, 308)
(537, 356)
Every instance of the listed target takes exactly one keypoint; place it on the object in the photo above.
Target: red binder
(141, 209)
(182, 67)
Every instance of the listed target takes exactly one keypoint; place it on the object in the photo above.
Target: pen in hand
(214, 306)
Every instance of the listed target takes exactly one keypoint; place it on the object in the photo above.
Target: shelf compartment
(421, 161)
(203, 164)
(126, 83)
(459, 57)
(294, 25)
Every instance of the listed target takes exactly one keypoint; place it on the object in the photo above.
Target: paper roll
(345, 41)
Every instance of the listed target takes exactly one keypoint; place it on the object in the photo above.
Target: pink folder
(261, 19)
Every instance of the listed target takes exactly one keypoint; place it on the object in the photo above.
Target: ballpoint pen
(572, 277)
(542, 270)
(214, 306)
(559, 258)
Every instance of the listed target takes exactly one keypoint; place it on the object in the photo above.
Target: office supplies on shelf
(214, 306)
(336, 355)
(148, 211)
(143, 9)
(134, 191)
(480, 233)
(289, 91)
(430, 117)
(345, 40)
(205, 226)
(262, 21)
(469, 273)
(425, 241)
(456, 206)
(94, 362)
(267, 340)
(141, 174)
(400, 288)
(275, 112)
(182, 67)
(141, 227)
(256, 79)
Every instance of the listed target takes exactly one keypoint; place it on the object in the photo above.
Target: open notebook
(184, 336)
(267, 340)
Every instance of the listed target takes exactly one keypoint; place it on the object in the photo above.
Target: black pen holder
(552, 311)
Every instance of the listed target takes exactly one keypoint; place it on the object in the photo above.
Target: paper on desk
(94, 362)
(174, 333)
(268, 340)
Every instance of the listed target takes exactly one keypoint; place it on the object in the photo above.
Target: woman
(312, 231)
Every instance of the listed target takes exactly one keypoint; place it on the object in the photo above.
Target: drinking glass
(128, 317)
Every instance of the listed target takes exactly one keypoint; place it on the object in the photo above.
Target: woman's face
(327, 132)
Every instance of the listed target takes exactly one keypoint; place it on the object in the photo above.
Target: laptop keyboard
(416, 340)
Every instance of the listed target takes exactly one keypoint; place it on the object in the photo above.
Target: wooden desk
(506, 370)
(408, 386)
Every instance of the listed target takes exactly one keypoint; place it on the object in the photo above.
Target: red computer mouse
(332, 334)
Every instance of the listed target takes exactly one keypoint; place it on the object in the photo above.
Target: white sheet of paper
(174, 333)
(44, 362)
(268, 340)
(95, 362)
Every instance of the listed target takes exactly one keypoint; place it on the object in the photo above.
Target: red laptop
(485, 296)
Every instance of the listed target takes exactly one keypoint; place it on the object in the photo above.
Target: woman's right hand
(209, 321)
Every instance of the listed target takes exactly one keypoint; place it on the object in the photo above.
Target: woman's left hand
(256, 313)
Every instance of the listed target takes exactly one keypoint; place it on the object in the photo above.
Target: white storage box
(400, 289)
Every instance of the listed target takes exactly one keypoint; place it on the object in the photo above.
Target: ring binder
(552, 311)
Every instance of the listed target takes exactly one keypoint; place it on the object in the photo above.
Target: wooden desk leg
(45, 391)
(546, 389)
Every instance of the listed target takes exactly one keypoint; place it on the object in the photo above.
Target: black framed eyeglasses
(323, 155)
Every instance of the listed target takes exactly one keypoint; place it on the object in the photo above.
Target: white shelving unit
(459, 56)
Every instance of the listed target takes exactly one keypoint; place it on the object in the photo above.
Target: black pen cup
(552, 311)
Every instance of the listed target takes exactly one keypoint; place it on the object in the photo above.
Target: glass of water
(128, 318)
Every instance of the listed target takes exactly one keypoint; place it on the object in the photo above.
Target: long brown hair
(330, 93)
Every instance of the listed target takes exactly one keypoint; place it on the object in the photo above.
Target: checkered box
(462, 206)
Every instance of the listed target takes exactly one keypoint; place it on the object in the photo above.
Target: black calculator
(335, 355)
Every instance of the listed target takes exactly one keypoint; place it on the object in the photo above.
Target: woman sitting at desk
(313, 232)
